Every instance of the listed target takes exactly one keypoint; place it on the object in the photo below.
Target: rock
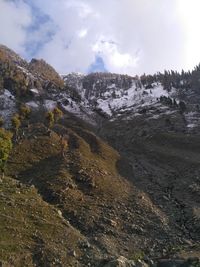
(113, 223)
(73, 253)
(85, 244)
(60, 213)
(124, 262)
(170, 263)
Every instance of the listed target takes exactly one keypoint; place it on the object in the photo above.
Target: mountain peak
(45, 71)
(6, 54)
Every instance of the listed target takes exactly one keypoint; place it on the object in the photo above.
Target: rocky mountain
(114, 180)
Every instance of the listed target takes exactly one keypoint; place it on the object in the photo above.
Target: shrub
(16, 122)
(24, 111)
(57, 114)
(5, 147)
(50, 118)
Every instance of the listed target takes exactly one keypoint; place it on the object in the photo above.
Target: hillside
(117, 174)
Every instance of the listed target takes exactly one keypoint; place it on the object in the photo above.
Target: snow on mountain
(7, 106)
(133, 97)
(114, 97)
(97, 97)
(112, 93)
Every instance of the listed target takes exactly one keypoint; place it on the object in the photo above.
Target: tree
(58, 114)
(5, 148)
(16, 123)
(182, 106)
(24, 111)
(50, 118)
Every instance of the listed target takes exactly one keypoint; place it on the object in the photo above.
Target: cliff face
(125, 183)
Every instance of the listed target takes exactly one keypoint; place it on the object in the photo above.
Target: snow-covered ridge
(112, 92)
(115, 96)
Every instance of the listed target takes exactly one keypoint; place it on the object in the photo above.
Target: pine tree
(182, 106)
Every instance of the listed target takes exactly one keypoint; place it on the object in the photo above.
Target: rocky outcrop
(19, 76)
(123, 262)
(45, 72)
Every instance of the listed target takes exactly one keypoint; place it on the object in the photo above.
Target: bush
(57, 114)
(16, 122)
(5, 147)
(50, 118)
(24, 111)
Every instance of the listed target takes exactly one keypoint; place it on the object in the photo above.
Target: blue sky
(129, 36)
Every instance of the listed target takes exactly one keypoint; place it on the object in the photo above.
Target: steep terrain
(118, 174)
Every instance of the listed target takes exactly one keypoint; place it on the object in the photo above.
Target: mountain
(103, 166)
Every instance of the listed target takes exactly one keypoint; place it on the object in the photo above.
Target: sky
(121, 36)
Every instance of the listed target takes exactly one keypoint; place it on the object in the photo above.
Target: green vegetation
(16, 123)
(5, 148)
(58, 114)
(32, 232)
(50, 119)
(138, 255)
(24, 111)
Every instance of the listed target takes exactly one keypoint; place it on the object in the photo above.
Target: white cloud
(113, 58)
(82, 33)
(189, 13)
(14, 18)
(132, 36)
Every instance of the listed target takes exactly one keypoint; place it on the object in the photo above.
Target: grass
(75, 184)
(28, 225)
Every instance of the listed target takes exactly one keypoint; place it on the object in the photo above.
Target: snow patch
(50, 104)
(33, 104)
(7, 106)
(34, 90)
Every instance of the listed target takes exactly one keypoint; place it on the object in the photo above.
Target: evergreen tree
(182, 106)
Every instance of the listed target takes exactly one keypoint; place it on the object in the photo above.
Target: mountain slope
(118, 174)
